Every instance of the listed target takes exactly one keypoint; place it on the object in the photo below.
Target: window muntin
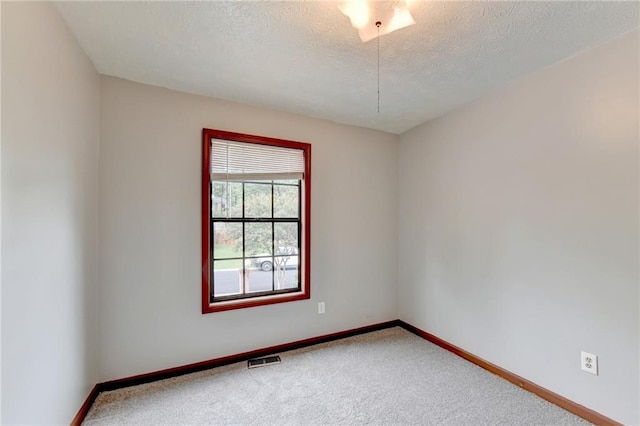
(256, 198)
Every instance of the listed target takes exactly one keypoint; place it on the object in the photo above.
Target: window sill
(253, 302)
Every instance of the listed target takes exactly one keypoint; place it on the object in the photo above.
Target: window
(255, 220)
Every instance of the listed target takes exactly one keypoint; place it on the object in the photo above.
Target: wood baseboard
(244, 356)
(82, 413)
(573, 407)
(218, 362)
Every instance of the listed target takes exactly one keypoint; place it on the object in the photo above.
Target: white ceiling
(305, 58)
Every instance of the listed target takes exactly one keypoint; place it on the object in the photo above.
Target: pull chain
(378, 23)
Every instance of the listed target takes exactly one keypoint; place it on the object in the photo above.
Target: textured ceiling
(305, 58)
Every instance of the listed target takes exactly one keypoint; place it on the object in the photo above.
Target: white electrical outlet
(589, 362)
(321, 307)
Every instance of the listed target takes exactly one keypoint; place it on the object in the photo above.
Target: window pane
(258, 239)
(257, 200)
(260, 280)
(226, 199)
(228, 278)
(227, 240)
(287, 256)
(286, 271)
(285, 201)
(286, 237)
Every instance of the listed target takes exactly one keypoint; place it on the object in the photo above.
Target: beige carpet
(385, 377)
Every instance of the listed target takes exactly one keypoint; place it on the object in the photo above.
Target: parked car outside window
(284, 258)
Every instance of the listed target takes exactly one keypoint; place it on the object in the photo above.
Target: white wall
(150, 280)
(49, 217)
(519, 227)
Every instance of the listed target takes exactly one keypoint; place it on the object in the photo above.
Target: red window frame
(305, 292)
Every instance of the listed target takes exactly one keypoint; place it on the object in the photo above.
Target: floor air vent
(261, 362)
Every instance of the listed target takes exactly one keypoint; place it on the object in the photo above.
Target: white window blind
(232, 160)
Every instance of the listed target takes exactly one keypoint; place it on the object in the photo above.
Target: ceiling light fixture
(365, 16)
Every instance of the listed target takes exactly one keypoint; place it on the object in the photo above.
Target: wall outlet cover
(589, 362)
